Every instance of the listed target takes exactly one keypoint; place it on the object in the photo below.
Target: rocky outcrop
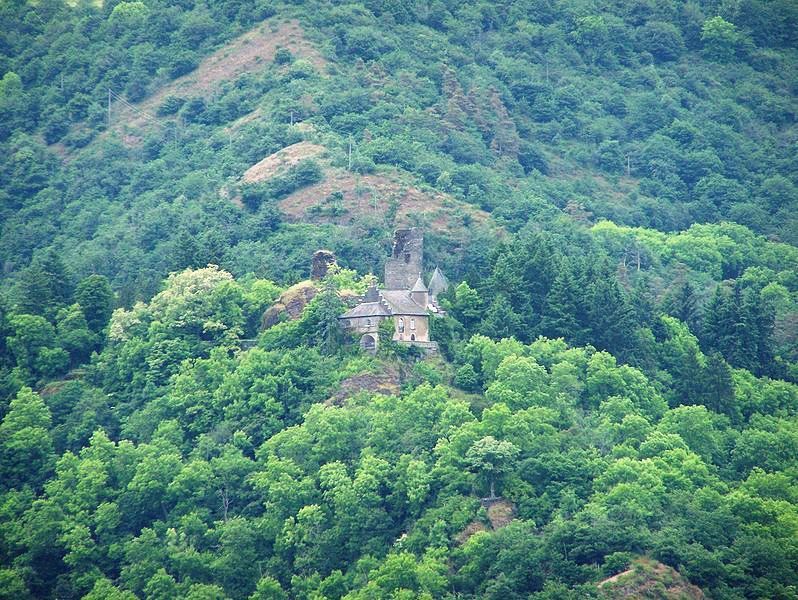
(290, 304)
(320, 263)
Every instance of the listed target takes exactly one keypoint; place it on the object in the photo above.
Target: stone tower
(420, 293)
(405, 263)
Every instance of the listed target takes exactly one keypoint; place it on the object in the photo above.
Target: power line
(135, 109)
(112, 95)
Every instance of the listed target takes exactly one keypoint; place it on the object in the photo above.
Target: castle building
(405, 299)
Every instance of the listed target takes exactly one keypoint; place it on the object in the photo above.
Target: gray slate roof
(401, 303)
(419, 286)
(438, 284)
(367, 309)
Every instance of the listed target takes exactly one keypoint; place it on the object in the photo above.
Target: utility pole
(350, 154)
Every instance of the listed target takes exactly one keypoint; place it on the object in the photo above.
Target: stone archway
(368, 343)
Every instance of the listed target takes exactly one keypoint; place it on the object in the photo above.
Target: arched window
(412, 324)
(401, 324)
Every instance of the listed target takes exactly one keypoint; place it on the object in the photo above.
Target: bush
(184, 62)
(170, 106)
(363, 164)
(283, 56)
(466, 378)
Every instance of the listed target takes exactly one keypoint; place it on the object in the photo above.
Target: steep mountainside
(611, 189)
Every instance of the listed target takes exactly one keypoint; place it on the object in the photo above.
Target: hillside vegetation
(613, 191)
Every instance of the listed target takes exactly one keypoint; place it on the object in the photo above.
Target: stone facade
(405, 299)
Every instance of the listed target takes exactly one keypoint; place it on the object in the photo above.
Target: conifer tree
(718, 321)
(683, 304)
(44, 286)
(563, 310)
(719, 385)
(610, 317)
(643, 303)
(759, 320)
(186, 250)
(501, 321)
(96, 300)
(328, 308)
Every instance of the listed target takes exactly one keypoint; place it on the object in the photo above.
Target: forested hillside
(612, 190)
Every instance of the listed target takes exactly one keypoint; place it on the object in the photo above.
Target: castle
(405, 299)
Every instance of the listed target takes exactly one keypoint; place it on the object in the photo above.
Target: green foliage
(492, 458)
(720, 39)
(26, 451)
(96, 300)
(641, 220)
(298, 176)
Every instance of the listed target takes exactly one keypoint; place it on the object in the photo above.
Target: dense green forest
(612, 189)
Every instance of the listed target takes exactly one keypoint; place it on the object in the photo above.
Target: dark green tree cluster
(546, 284)
(49, 325)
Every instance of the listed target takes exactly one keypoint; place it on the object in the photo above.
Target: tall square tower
(405, 265)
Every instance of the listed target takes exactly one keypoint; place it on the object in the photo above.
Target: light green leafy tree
(26, 449)
(492, 458)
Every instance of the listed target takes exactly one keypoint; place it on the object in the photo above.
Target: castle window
(407, 258)
(401, 325)
(368, 322)
(412, 324)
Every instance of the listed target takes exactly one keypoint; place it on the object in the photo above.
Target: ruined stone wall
(320, 263)
(406, 261)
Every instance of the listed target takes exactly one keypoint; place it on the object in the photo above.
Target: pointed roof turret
(438, 283)
(419, 286)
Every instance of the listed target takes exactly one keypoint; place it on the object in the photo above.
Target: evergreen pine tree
(718, 322)
(611, 319)
(683, 304)
(719, 395)
(563, 308)
(501, 321)
(186, 250)
(328, 308)
(643, 303)
(759, 319)
(96, 300)
(742, 346)
(33, 291)
(44, 286)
